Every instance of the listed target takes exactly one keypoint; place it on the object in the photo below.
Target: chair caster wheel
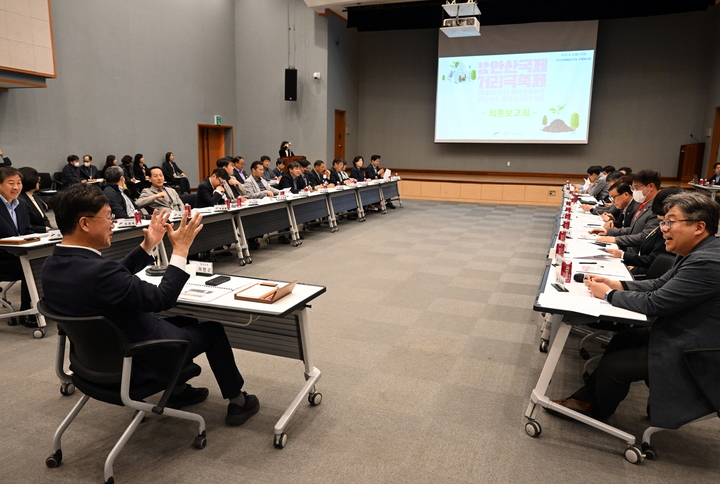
(242, 262)
(649, 451)
(67, 389)
(296, 243)
(584, 354)
(533, 429)
(39, 333)
(200, 441)
(633, 455)
(249, 260)
(315, 399)
(54, 460)
(280, 441)
(12, 322)
(543, 346)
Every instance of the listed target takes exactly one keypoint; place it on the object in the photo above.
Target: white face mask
(87, 163)
(638, 196)
(76, 163)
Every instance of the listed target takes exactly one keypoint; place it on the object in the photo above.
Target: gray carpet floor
(428, 347)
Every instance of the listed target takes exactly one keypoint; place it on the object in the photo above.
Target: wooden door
(214, 142)
(339, 139)
(714, 144)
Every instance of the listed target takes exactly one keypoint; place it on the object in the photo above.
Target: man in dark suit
(88, 172)
(5, 160)
(210, 191)
(78, 281)
(120, 204)
(714, 180)
(318, 176)
(337, 173)
(292, 179)
(372, 171)
(239, 169)
(14, 221)
(685, 302)
(646, 184)
(267, 171)
(279, 168)
(70, 172)
(233, 187)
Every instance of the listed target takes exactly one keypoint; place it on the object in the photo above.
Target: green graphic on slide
(558, 125)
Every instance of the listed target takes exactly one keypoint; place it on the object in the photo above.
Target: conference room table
(575, 306)
(711, 190)
(279, 329)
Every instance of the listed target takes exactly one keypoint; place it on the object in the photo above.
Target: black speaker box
(291, 84)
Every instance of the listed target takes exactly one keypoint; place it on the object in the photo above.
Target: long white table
(575, 307)
(280, 329)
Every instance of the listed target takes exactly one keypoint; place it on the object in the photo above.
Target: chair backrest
(661, 264)
(190, 198)
(45, 181)
(96, 350)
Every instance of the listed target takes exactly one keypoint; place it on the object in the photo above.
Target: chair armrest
(132, 348)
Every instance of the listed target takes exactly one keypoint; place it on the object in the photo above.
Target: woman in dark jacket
(36, 207)
(140, 169)
(109, 161)
(357, 171)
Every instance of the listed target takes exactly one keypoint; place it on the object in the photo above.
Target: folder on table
(265, 292)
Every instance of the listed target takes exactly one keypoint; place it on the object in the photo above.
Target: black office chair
(57, 181)
(189, 198)
(101, 365)
(661, 264)
(47, 186)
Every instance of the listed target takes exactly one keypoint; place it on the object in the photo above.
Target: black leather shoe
(237, 415)
(390, 205)
(253, 244)
(189, 396)
(29, 321)
(283, 240)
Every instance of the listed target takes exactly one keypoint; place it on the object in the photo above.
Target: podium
(691, 160)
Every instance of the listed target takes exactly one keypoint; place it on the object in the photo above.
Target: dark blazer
(6, 162)
(38, 219)
(206, 195)
(315, 179)
(686, 302)
(371, 172)
(640, 227)
(285, 153)
(88, 173)
(117, 202)
(79, 282)
(715, 178)
(70, 175)
(286, 181)
(170, 169)
(7, 227)
(140, 172)
(240, 175)
(648, 251)
(277, 172)
(336, 177)
(357, 173)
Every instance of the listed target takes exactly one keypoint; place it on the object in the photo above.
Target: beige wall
(26, 36)
(482, 192)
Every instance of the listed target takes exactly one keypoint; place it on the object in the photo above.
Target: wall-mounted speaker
(291, 84)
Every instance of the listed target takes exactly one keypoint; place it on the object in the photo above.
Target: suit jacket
(715, 178)
(146, 199)
(38, 219)
(79, 282)
(295, 185)
(371, 172)
(686, 302)
(256, 191)
(650, 248)
(206, 195)
(600, 188)
(267, 175)
(337, 177)
(276, 172)
(140, 172)
(357, 173)
(640, 227)
(6, 162)
(285, 153)
(70, 175)
(7, 227)
(240, 175)
(117, 202)
(315, 179)
(170, 169)
(88, 173)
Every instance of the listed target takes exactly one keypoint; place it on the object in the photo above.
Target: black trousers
(207, 337)
(625, 361)
(11, 270)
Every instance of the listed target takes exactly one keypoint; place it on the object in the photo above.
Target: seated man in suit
(598, 185)
(5, 160)
(319, 175)
(157, 195)
(621, 195)
(14, 221)
(646, 184)
(685, 303)
(279, 168)
(71, 172)
(210, 191)
(256, 185)
(374, 172)
(337, 173)
(605, 206)
(120, 203)
(715, 180)
(88, 172)
(239, 169)
(267, 172)
(293, 178)
(78, 281)
(233, 187)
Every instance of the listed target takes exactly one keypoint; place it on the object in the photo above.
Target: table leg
(294, 230)
(34, 296)
(243, 247)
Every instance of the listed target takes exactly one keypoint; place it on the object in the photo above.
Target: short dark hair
(255, 164)
(223, 162)
(356, 159)
(78, 200)
(716, 165)
(220, 173)
(621, 188)
(126, 160)
(88, 157)
(304, 163)
(294, 164)
(614, 176)
(7, 171)
(658, 205)
(698, 207)
(154, 168)
(264, 158)
(279, 161)
(608, 169)
(318, 163)
(594, 170)
(72, 158)
(338, 160)
(113, 174)
(375, 157)
(30, 178)
(646, 177)
(626, 169)
(237, 159)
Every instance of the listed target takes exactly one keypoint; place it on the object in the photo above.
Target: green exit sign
(218, 119)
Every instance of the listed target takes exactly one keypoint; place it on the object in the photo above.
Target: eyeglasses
(111, 218)
(667, 224)
(637, 189)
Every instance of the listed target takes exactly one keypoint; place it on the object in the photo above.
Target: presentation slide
(514, 98)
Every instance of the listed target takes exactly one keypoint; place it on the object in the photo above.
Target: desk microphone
(579, 277)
